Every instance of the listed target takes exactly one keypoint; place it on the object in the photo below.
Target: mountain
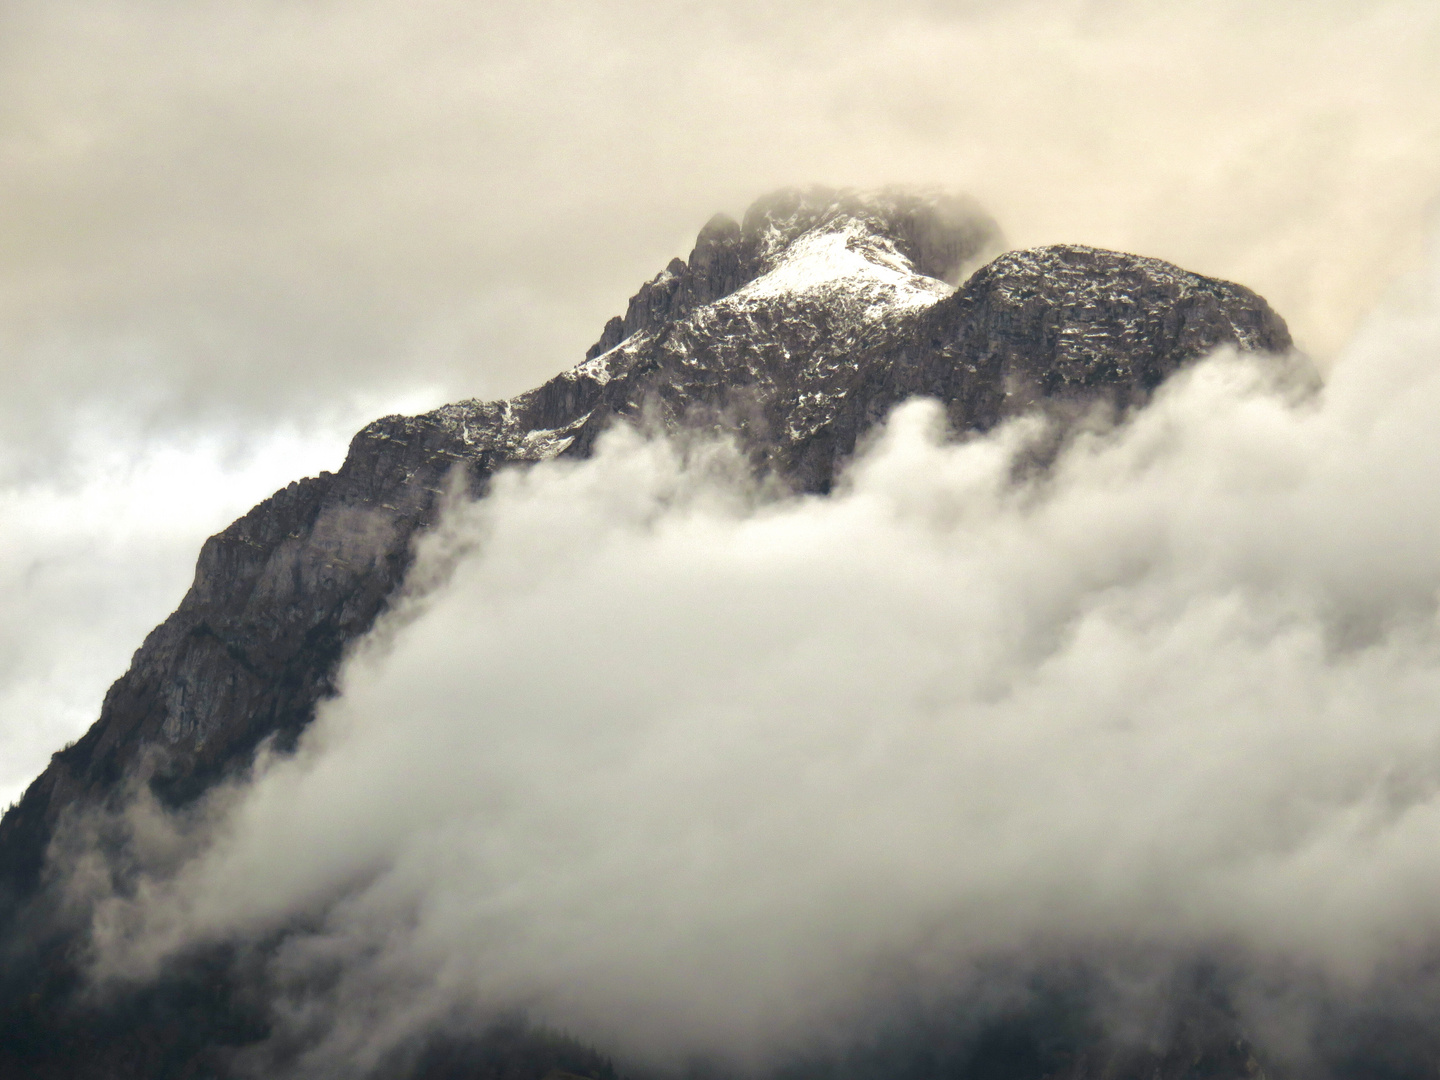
(795, 330)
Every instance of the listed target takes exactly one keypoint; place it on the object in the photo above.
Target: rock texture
(796, 329)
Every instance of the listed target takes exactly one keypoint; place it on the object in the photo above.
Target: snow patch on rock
(848, 258)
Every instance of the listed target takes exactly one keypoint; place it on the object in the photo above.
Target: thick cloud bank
(681, 765)
(224, 219)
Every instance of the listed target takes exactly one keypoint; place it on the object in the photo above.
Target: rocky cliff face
(796, 329)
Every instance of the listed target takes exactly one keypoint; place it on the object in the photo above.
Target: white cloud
(679, 767)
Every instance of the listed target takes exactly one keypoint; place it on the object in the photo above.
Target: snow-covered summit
(845, 257)
(937, 233)
(803, 240)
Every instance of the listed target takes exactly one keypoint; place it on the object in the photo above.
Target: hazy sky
(230, 232)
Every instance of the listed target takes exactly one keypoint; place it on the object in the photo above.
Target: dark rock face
(797, 330)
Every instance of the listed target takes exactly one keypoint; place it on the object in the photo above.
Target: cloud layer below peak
(683, 767)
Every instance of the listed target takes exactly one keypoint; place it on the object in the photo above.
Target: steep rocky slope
(795, 329)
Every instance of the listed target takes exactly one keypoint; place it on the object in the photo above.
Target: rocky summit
(794, 330)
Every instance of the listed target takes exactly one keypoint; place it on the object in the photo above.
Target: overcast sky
(232, 232)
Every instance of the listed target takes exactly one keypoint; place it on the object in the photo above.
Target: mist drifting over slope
(684, 766)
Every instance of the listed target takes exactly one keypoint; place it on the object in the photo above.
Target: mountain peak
(805, 232)
(794, 331)
(939, 233)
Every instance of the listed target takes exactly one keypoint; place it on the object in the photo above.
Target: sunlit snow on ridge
(845, 265)
(851, 259)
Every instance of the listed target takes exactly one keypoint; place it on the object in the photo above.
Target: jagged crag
(796, 331)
